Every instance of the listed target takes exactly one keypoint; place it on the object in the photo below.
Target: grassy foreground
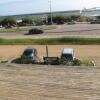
(51, 41)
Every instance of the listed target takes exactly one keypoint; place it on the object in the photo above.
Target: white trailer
(68, 54)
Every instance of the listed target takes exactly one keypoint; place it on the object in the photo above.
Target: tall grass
(51, 41)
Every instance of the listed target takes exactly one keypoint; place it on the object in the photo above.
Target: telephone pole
(50, 6)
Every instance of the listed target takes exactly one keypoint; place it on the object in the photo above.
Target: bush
(4, 61)
(86, 62)
(83, 62)
(66, 61)
(76, 62)
(23, 60)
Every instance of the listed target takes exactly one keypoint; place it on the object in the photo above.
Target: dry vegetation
(81, 51)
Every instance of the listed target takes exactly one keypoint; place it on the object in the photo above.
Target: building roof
(68, 51)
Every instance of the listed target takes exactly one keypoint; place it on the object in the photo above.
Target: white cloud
(33, 6)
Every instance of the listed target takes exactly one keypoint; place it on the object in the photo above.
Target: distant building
(84, 12)
(41, 15)
(91, 12)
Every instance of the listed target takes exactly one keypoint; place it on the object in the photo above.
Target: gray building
(85, 12)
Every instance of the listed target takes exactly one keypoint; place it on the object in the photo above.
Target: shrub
(83, 62)
(4, 61)
(76, 62)
(22, 60)
(86, 62)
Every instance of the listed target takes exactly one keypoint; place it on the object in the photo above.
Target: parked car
(31, 53)
(1, 26)
(29, 56)
(35, 31)
(59, 22)
(68, 55)
(95, 22)
(71, 22)
(8, 27)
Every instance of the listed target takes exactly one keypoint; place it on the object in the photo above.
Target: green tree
(27, 20)
(74, 17)
(59, 19)
(0, 22)
(38, 21)
(8, 21)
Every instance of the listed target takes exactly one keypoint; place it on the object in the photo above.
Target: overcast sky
(12, 7)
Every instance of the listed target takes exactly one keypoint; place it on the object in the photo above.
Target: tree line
(59, 19)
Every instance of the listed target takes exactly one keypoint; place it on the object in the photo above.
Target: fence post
(46, 50)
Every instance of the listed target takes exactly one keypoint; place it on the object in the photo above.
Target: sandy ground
(34, 82)
(22, 82)
(80, 30)
(81, 51)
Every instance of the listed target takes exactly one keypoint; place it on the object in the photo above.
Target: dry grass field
(82, 51)
(34, 82)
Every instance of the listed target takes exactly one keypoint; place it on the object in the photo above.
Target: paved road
(91, 30)
(78, 29)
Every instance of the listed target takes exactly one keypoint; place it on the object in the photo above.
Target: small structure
(50, 60)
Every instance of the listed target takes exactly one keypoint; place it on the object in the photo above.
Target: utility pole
(82, 9)
(50, 5)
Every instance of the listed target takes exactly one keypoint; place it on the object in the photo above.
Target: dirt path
(22, 82)
(81, 51)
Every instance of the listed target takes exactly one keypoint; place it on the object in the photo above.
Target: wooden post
(46, 50)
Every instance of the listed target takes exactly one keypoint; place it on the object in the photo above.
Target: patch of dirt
(81, 51)
(32, 82)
